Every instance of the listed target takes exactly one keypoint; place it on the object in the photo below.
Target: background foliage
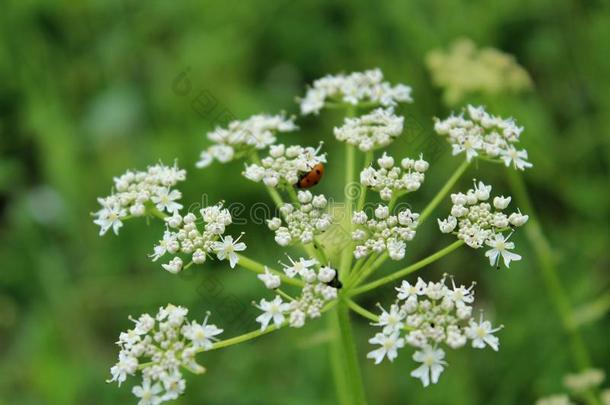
(88, 91)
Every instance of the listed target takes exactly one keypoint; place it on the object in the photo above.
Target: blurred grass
(87, 93)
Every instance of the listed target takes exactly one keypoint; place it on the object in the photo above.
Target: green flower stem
(407, 270)
(358, 269)
(259, 268)
(344, 357)
(240, 339)
(284, 294)
(152, 210)
(370, 269)
(443, 191)
(361, 311)
(546, 264)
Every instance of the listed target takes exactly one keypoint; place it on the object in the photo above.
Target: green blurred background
(87, 91)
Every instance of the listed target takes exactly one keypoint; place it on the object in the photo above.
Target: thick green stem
(407, 270)
(552, 281)
(443, 191)
(546, 264)
(344, 356)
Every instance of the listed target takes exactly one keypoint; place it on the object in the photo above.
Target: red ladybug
(312, 177)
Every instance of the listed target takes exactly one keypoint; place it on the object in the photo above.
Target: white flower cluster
(285, 163)
(355, 88)
(483, 134)
(426, 315)
(374, 130)
(303, 222)
(314, 295)
(383, 232)
(136, 191)
(242, 137)
(478, 224)
(586, 380)
(391, 181)
(159, 347)
(183, 236)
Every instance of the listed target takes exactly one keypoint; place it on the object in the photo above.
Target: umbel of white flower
(302, 221)
(427, 316)
(479, 224)
(284, 165)
(480, 134)
(159, 348)
(183, 235)
(315, 293)
(357, 88)
(240, 138)
(371, 131)
(135, 193)
(392, 181)
(383, 232)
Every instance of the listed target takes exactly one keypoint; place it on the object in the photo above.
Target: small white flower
(174, 266)
(481, 333)
(272, 311)
(147, 393)
(201, 335)
(227, 247)
(500, 247)
(298, 267)
(447, 225)
(517, 218)
(270, 280)
(127, 365)
(391, 321)
(407, 290)
(517, 157)
(389, 346)
(165, 200)
(501, 202)
(432, 365)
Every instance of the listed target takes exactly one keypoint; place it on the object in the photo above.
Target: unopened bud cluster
(284, 165)
(374, 130)
(302, 221)
(383, 232)
(391, 180)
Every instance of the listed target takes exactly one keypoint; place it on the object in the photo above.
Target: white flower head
(240, 138)
(478, 223)
(358, 88)
(137, 193)
(159, 348)
(481, 134)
